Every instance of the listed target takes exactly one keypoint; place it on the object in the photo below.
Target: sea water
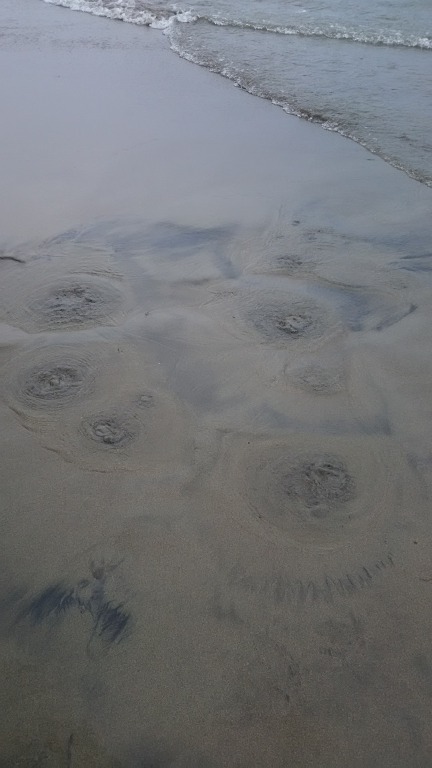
(361, 69)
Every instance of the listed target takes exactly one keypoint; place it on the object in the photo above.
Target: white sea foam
(242, 81)
(161, 18)
(122, 11)
(332, 32)
(340, 97)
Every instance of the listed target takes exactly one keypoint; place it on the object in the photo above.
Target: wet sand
(215, 413)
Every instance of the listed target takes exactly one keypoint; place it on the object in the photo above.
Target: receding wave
(175, 22)
(163, 17)
(158, 18)
(328, 122)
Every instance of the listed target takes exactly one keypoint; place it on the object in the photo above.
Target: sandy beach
(216, 468)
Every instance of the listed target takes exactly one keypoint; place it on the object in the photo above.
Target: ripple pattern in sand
(88, 404)
(260, 312)
(294, 321)
(51, 297)
(47, 379)
(125, 437)
(77, 302)
(312, 507)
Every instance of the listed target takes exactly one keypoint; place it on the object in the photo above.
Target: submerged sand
(215, 417)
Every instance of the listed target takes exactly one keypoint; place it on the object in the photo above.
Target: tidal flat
(216, 469)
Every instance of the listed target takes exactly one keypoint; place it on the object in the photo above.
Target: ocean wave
(163, 17)
(333, 32)
(157, 18)
(325, 121)
(169, 20)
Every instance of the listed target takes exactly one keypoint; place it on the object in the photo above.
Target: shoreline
(163, 24)
(317, 155)
(216, 465)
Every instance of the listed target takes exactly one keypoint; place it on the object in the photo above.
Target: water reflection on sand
(224, 503)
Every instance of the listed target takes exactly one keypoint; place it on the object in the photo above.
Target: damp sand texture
(215, 420)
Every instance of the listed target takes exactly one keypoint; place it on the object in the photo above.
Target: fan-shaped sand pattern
(321, 491)
(93, 586)
(312, 508)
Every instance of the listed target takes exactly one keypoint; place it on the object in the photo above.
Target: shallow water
(249, 514)
(363, 71)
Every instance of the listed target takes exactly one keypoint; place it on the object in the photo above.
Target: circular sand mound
(319, 380)
(286, 322)
(88, 404)
(145, 400)
(265, 314)
(316, 494)
(311, 514)
(126, 436)
(111, 430)
(320, 491)
(290, 319)
(49, 380)
(317, 485)
(56, 297)
(76, 302)
(53, 382)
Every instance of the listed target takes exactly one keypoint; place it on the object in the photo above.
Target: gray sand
(216, 467)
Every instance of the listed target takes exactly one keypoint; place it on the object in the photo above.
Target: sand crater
(291, 321)
(111, 430)
(76, 302)
(319, 483)
(53, 382)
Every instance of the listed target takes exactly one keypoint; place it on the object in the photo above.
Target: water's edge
(168, 20)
